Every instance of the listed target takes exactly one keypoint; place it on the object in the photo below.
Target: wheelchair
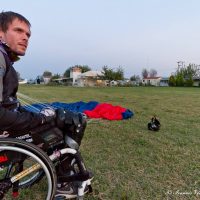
(28, 168)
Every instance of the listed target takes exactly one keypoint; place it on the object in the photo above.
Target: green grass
(130, 162)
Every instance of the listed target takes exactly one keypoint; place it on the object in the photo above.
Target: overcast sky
(133, 34)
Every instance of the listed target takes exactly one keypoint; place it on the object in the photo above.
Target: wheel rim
(38, 160)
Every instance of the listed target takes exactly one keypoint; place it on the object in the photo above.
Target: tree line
(108, 73)
(184, 75)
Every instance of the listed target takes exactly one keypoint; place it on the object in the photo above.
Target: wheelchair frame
(44, 166)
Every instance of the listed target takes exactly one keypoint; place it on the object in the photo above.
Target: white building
(154, 81)
(23, 81)
(164, 81)
(74, 73)
(90, 78)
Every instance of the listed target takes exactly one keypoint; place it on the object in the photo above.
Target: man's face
(17, 36)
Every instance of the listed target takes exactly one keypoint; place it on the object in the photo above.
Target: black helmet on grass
(154, 124)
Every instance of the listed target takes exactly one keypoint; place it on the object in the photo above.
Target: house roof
(152, 78)
(164, 78)
(91, 74)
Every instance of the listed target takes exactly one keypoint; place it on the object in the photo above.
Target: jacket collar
(5, 49)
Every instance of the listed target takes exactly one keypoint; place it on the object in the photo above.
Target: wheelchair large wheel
(19, 156)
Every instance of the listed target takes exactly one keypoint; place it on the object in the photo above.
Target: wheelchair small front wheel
(19, 162)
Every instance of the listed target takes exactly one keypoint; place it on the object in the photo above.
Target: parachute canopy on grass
(92, 109)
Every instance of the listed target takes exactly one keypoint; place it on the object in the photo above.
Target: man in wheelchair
(49, 128)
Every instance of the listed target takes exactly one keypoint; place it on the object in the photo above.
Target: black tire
(32, 155)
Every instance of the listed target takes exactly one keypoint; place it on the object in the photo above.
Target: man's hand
(66, 118)
(58, 115)
(48, 114)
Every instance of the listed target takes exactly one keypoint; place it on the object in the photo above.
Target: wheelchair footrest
(75, 177)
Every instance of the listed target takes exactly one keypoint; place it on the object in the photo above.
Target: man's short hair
(7, 18)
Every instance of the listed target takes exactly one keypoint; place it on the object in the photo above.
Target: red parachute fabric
(106, 111)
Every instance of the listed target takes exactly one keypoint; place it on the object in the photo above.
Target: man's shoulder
(2, 60)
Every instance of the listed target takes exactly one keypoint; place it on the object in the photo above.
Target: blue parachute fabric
(127, 114)
(77, 106)
(74, 107)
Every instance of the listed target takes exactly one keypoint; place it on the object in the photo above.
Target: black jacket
(11, 118)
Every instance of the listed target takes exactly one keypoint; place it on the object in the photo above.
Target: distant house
(46, 80)
(164, 81)
(124, 82)
(31, 81)
(89, 78)
(113, 83)
(47, 75)
(72, 80)
(154, 81)
(196, 81)
(63, 80)
(22, 81)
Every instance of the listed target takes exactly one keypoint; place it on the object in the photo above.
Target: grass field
(130, 162)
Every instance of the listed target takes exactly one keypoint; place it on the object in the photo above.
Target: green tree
(180, 80)
(135, 78)
(185, 74)
(110, 74)
(67, 72)
(189, 82)
(119, 74)
(56, 76)
(84, 68)
(107, 73)
(172, 81)
(190, 71)
(47, 74)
